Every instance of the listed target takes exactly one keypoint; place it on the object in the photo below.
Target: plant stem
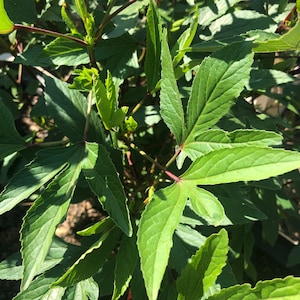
(49, 33)
(88, 113)
(49, 144)
(108, 17)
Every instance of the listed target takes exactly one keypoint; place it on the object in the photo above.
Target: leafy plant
(145, 109)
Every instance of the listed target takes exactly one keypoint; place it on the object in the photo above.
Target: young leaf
(47, 164)
(204, 267)
(6, 25)
(219, 80)
(90, 262)
(214, 139)
(286, 288)
(152, 61)
(125, 265)
(105, 183)
(241, 164)
(45, 214)
(69, 109)
(205, 204)
(170, 103)
(97, 228)
(10, 140)
(157, 225)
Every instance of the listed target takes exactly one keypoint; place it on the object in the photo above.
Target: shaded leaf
(241, 164)
(153, 46)
(21, 11)
(45, 214)
(157, 225)
(47, 164)
(98, 227)
(170, 103)
(125, 265)
(86, 289)
(10, 140)
(69, 109)
(219, 80)
(105, 183)
(204, 267)
(90, 262)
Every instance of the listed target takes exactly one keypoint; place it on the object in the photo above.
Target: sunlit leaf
(170, 103)
(241, 164)
(45, 214)
(157, 225)
(6, 25)
(105, 183)
(204, 267)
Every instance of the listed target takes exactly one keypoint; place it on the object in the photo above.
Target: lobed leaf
(45, 214)
(170, 103)
(241, 164)
(157, 225)
(153, 46)
(104, 181)
(219, 80)
(47, 164)
(204, 267)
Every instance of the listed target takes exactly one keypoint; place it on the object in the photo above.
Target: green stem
(49, 144)
(49, 33)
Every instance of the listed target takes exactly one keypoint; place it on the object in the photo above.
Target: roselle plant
(145, 109)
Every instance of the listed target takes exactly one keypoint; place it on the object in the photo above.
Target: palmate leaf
(157, 225)
(47, 164)
(204, 267)
(170, 103)
(45, 214)
(152, 61)
(219, 80)
(104, 181)
(10, 140)
(241, 164)
(281, 289)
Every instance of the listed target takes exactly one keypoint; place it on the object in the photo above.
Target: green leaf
(10, 140)
(241, 164)
(214, 10)
(90, 262)
(107, 104)
(6, 25)
(185, 40)
(156, 228)
(105, 183)
(204, 267)
(45, 214)
(98, 227)
(281, 289)
(219, 80)
(21, 11)
(47, 164)
(215, 139)
(69, 109)
(64, 52)
(264, 78)
(170, 103)
(286, 42)
(125, 265)
(84, 290)
(153, 46)
(205, 204)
